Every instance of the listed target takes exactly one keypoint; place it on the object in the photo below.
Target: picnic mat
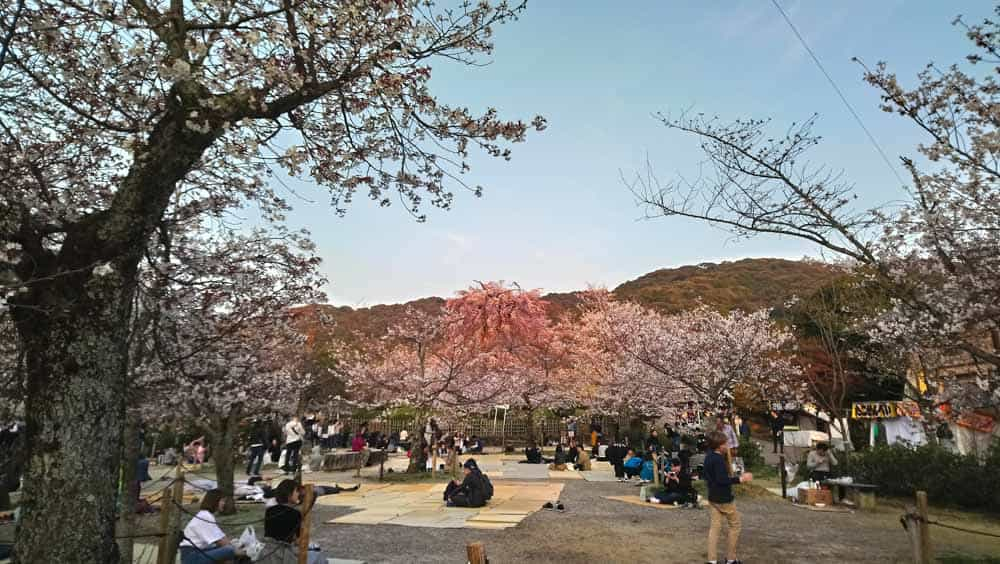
(598, 476)
(828, 508)
(420, 505)
(634, 500)
(564, 475)
(517, 471)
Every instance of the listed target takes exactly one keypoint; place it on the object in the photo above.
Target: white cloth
(202, 532)
(403, 435)
(900, 429)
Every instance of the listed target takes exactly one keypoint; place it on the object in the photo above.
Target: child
(720, 497)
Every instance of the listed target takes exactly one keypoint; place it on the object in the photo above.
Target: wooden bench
(339, 461)
(862, 495)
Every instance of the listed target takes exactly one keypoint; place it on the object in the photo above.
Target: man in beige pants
(720, 498)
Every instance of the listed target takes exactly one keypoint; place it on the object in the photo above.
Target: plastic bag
(249, 543)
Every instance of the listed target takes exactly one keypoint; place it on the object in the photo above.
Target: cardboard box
(812, 497)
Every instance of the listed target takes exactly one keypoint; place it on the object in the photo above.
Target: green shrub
(751, 453)
(947, 478)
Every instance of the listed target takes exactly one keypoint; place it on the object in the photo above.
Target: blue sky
(557, 216)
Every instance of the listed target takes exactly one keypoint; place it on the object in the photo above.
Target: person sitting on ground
(818, 462)
(583, 460)
(632, 465)
(677, 486)
(282, 522)
(475, 445)
(203, 541)
(532, 454)
(559, 462)
(573, 453)
(646, 469)
(471, 492)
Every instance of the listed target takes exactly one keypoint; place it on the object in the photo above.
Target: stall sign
(976, 421)
(875, 409)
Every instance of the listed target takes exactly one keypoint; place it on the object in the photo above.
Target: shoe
(734, 562)
(560, 507)
(548, 506)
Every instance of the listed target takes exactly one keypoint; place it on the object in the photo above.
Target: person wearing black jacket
(616, 456)
(777, 423)
(259, 438)
(720, 497)
(677, 485)
(471, 492)
(653, 442)
(532, 454)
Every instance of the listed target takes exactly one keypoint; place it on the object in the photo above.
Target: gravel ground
(598, 530)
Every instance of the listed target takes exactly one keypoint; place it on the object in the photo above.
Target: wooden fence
(493, 430)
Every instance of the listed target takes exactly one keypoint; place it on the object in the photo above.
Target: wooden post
(784, 476)
(170, 519)
(307, 503)
(476, 553)
(166, 506)
(381, 468)
(656, 471)
(924, 528)
(434, 461)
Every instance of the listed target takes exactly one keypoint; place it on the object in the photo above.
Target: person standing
(723, 426)
(819, 462)
(720, 498)
(294, 434)
(258, 440)
(879, 432)
(777, 423)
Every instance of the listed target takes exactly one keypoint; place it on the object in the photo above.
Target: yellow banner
(884, 409)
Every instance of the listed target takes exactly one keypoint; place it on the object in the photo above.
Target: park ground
(595, 529)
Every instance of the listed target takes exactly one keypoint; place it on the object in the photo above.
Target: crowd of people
(671, 457)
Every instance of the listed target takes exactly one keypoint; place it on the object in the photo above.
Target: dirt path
(599, 530)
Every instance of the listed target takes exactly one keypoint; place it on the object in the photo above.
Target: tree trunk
(223, 437)
(130, 485)
(418, 463)
(73, 329)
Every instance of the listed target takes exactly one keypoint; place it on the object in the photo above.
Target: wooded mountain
(747, 284)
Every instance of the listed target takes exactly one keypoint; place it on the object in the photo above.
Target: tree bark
(76, 359)
(223, 435)
(418, 462)
(129, 486)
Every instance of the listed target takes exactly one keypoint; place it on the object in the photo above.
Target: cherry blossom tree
(937, 255)
(664, 362)
(424, 361)
(222, 343)
(113, 111)
(530, 352)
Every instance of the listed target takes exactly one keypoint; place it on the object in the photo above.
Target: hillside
(747, 284)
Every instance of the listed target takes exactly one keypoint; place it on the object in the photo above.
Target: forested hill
(747, 284)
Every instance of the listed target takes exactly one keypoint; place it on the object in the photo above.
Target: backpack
(487, 487)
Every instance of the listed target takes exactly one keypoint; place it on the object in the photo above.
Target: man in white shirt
(294, 434)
